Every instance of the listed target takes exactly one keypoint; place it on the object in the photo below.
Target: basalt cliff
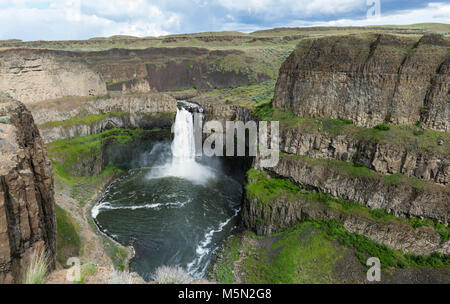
(370, 79)
(27, 205)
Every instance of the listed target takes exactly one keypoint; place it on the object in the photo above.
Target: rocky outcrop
(369, 79)
(34, 76)
(124, 111)
(404, 197)
(27, 214)
(217, 109)
(82, 117)
(381, 157)
(117, 103)
(54, 132)
(284, 212)
(136, 85)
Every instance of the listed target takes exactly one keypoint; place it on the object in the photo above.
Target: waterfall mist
(182, 163)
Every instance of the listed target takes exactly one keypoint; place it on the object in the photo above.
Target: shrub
(68, 238)
(171, 275)
(359, 164)
(418, 132)
(383, 127)
(36, 271)
(347, 121)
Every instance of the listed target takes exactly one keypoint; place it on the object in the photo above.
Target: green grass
(383, 127)
(69, 241)
(308, 253)
(223, 271)
(86, 187)
(69, 155)
(119, 256)
(248, 96)
(88, 269)
(407, 136)
(84, 120)
(357, 170)
(388, 257)
(302, 254)
(265, 189)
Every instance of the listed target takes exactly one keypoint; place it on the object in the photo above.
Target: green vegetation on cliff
(310, 252)
(358, 170)
(249, 96)
(264, 189)
(78, 162)
(84, 120)
(402, 135)
(67, 153)
(302, 254)
(69, 157)
(68, 238)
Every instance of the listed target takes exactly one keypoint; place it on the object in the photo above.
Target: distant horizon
(240, 32)
(62, 20)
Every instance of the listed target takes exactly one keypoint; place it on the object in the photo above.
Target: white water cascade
(183, 145)
(183, 163)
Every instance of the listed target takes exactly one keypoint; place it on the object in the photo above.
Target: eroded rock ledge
(398, 195)
(267, 216)
(385, 158)
(27, 206)
(83, 116)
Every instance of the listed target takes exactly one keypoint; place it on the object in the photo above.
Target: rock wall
(27, 214)
(34, 76)
(369, 79)
(117, 103)
(403, 198)
(143, 121)
(380, 157)
(284, 212)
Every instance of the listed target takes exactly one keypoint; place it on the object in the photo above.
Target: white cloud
(82, 19)
(30, 20)
(303, 8)
(433, 12)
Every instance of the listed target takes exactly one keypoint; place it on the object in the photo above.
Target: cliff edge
(27, 205)
(369, 79)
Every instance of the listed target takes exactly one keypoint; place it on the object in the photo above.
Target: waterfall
(183, 145)
(183, 163)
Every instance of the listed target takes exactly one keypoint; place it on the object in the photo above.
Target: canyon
(364, 143)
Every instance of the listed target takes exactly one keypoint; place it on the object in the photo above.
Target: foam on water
(194, 268)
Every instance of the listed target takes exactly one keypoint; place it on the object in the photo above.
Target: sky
(83, 19)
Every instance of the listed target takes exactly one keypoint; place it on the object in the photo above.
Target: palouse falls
(176, 210)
